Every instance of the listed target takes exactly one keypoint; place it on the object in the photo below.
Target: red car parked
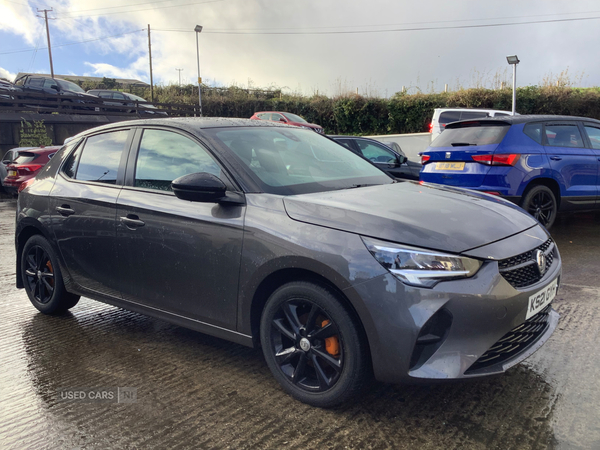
(290, 119)
(26, 166)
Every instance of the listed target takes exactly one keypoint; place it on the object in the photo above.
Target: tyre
(314, 347)
(42, 277)
(540, 202)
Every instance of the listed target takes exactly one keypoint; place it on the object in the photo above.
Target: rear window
(472, 135)
(25, 158)
(455, 116)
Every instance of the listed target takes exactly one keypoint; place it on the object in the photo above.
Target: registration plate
(12, 173)
(541, 299)
(449, 166)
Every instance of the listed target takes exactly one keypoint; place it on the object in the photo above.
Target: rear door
(574, 165)
(83, 205)
(175, 255)
(592, 131)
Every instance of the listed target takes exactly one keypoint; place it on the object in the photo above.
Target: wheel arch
(27, 229)
(286, 275)
(550, 183)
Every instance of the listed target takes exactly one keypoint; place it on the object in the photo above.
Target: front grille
(522, 270)
(514, 342)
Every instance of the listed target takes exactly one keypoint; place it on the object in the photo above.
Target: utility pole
(179, 70)
(45, 11)
(150, 58)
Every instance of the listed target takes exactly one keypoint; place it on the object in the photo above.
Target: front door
(175, 255)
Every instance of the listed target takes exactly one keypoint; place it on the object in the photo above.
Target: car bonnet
(428, 216)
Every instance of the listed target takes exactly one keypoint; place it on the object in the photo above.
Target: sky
(310, 46)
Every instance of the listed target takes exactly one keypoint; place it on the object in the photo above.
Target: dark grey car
(271, 235)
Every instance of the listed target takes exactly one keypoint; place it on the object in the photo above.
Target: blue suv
(545, 164)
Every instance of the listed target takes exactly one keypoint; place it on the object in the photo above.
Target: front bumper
(468, 317)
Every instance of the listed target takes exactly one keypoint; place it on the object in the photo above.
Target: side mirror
(55, 87)
(282, 120)
(199, 187)
(402, 159)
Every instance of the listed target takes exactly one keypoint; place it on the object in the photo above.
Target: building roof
(123, 81)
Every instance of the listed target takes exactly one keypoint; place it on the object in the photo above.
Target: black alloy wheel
(314, 347)
(541, 203)
(307, 346)
(42, 277)
(39, 274)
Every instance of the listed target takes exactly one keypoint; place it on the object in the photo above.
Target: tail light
(497, 160)
(425, 158)
(28, 169)
(25, 184)
(431, 127)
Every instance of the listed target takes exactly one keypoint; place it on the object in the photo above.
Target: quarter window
(534, 131)
(563, 136)
(165, 156)
(101, 157)
(594, 135)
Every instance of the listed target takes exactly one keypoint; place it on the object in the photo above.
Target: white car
(443, 116)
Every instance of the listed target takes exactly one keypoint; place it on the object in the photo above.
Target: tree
(34, 134)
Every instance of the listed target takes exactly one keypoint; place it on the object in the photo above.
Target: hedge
(358, 115)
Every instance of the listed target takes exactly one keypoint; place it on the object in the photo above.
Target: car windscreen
(472, 134)
(294, 118)
(295, 161)
(25, 158)
(67, 85)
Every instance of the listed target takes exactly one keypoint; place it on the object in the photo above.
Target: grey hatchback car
(274, 236)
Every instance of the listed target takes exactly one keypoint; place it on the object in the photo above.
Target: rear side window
(165, 156)
(375, 152)
(594, 135)
(534, 131)
(471, 135)
(564, 135)
(346, 143)
(25, 158)
(70, 167)
(101, 156)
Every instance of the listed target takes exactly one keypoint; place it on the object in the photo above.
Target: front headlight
(418, 267)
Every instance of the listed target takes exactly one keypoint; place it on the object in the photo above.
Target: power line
(144, 9)
(392, 24)
(122, 6)
(74, 43)
(456, 27)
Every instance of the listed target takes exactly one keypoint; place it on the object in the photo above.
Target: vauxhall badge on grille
(540, 258)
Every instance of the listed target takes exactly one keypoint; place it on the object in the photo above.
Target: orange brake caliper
(332, 344)
(49, 266)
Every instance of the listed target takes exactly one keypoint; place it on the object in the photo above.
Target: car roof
(345, 136)
(513, 120)
(191, 124)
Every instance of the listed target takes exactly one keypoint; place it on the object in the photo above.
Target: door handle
(556, 158)
(65, 210)
(132, 221)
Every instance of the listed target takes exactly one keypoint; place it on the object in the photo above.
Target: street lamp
(198, 29)
(513, 61)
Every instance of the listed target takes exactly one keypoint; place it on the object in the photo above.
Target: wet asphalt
(196, 391)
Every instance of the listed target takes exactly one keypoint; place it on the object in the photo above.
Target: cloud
(6, 74)
(134, 70)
